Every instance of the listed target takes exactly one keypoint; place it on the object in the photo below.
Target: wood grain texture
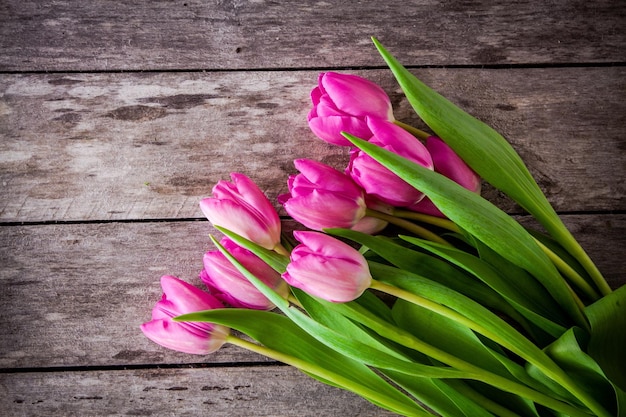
(150, 146)
(76, 294)
(232, 34)
(216, 392)
(117, 117)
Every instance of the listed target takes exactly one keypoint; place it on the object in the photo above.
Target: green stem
(327, 375)
(569, 272)
(411, 227)
(485, 402)
(427, 218)
(293, 300)
(420, 134)
(551, 370)
(281, 250)
(556, 228)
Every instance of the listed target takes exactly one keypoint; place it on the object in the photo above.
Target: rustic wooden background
(117, 117)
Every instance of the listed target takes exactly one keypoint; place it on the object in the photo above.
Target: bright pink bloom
(179, 298)
(449, 164)
(340, 104)
(377, 180)
(241, 207)
(322, 197)
(327, 268)
(229, 285)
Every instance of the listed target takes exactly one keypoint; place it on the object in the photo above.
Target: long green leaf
(528, 300)
(499, 330)
(354, 349)
(433, 392)
(431, 268)
(489, 154)
(280, 334)
(483, 220)
(460, 341)
(567, 352)
(441, 395)
(607, 344)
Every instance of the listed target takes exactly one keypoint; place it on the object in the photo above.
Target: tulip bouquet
(405, 286)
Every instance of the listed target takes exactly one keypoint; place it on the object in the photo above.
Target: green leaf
(481, 219)
(279, 333)
(607, 344)
(319, 311)
(275, 260)
(569, 355)
(488, 153)
(339, 342)
(440, 396)
(447, 335)
(500, 331)
(436, 394)
(429, 267)
(528, 299)
(465, 306)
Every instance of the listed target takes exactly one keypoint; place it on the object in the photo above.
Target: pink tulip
(241, 207)
(179, 298)
(340, 104)
(377, 180)
(449, 164)
(229, 285)
(322, 197)
(327, 268)
(372, 225)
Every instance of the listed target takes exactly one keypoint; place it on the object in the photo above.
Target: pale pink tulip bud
(229, 285)
(241, 207)
(340, 104)
(327, 268)
(449, 164)
(180, 298)
(377, 180)
(322, 197)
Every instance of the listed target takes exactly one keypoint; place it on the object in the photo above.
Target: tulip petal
(356, 95)
(329, 129)
(448, 163)
(176, 336)
(241, 220)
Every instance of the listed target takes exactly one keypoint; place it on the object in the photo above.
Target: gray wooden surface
(117, 117)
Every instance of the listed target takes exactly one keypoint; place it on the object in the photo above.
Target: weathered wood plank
(149, 35)
(146, 146)
(215, 392)
(84, 290)
(76, 294)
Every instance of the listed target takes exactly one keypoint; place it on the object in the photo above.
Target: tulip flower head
(449, 164)
(377, 180)
(226, 283)
(241, 207)
(180, 298)
(327, 268)
(341, 102)
(322, 197)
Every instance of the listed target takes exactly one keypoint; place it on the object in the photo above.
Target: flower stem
(569, 272)
(427, 218)
(293, 300)
(281, 250)
(485, 402)
(327, 375)
(410, 226)
(420, 134)
(551, 370)
(561, 234)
